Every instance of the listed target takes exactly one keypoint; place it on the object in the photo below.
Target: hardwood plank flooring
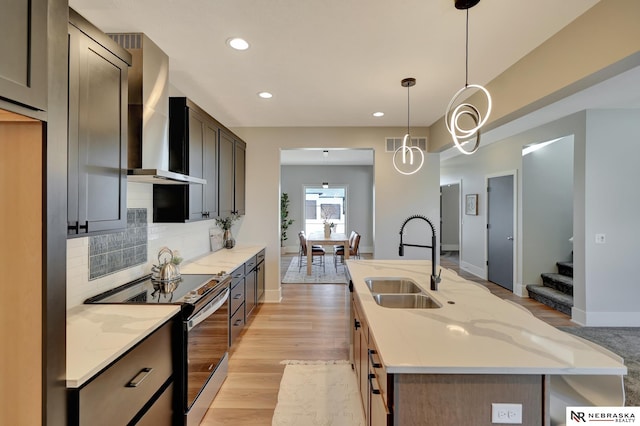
(311, 323)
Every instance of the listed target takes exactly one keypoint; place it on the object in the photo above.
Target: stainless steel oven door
(207, 343)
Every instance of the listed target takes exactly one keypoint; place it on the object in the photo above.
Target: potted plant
(285, 222)
(225, 224)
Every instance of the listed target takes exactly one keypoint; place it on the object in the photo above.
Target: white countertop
(98, 334)
(222, 260)
(479, 334)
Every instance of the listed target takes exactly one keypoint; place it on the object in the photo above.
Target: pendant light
(406, 148)
(460, 132)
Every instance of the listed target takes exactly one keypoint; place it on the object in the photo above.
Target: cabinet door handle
(85, 226)
(373, 363)
(356, 324)
(237, 323)
(373, 390)
(139, 378)
(237, 296)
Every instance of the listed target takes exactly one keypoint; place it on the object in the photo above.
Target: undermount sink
(406, 301)
(392, 285)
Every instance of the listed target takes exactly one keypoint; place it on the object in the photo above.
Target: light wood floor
(309, 324)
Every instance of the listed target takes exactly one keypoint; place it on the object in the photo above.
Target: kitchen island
(447, 365)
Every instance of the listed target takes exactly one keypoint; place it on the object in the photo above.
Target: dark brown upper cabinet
(193, 151)
(23, 49)
(97, 141)
(231, 172)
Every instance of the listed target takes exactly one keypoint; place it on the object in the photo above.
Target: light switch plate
(601, 238)
(506, 414)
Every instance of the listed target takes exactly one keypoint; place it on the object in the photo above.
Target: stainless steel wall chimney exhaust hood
(149, 113)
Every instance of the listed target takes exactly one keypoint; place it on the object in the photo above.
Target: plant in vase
(225, 223)
(285, 222)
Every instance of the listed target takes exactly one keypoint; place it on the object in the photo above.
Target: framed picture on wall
(471, 204)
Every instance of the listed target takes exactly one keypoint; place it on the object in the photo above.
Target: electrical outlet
(601, 238)
(506, 414)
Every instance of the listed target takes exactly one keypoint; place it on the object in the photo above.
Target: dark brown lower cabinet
(138, 388)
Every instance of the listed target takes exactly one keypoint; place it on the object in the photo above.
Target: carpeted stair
(556, 290)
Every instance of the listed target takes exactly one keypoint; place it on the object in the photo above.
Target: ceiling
(332, 62)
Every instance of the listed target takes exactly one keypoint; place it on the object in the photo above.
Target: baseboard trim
(605, 319)
(472, 269)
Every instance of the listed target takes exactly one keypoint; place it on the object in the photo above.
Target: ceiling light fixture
(325, 185)
(238, 43)
(406, 147)
(455, 112)
(325, 153)
(378, 114)
(265, 95)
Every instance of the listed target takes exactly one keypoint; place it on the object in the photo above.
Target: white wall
(611, 208)
(605, 177)
(396, 196)
(502, 157)
(359, 183)
(547, 202)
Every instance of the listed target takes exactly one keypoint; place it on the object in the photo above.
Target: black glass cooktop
(188, 289)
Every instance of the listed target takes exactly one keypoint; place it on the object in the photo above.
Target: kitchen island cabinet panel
(23, 68)
(97, 141)
(465, 399)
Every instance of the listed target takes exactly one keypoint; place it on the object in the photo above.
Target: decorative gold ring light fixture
(455, 111)
(406, 147)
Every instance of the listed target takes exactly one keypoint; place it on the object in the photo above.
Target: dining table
(319, 238)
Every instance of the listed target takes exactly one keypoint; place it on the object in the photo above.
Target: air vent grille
(394, 143)
(128, 41)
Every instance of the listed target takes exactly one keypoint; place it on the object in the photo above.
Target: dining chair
(354, 244)
(317, 251)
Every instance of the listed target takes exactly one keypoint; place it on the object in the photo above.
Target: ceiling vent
(392, 144)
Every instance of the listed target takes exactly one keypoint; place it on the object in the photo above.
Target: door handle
(510, 238)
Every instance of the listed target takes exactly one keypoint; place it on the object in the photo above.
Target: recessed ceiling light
(265, 95)
(378, 114)
(238, 43)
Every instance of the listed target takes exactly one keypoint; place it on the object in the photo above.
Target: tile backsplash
(116, 251)
(86, 279)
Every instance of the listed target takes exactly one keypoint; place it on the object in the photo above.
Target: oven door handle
(209, 309)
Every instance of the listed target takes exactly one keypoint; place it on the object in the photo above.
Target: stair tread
(551, 293)
(568, 264)
(564, 279)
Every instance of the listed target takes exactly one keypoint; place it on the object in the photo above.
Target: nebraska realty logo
(581, 415)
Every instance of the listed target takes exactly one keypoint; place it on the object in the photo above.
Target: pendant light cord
(408, 108)
(466, 56)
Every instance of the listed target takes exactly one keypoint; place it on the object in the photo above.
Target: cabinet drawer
(249, 265)
(236, 324)
(161, 412)
(260, 256)
(237, 275)
(237, 296)
(119, 392)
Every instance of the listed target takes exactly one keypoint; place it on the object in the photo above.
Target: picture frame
(471, 204)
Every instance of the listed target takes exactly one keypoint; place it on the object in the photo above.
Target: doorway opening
(325, 203)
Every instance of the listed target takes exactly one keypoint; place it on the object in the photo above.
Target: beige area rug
(318, 276)
(318, 393)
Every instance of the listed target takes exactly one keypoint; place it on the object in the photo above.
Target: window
(325, 204)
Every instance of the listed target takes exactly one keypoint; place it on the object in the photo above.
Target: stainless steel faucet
(435, 279)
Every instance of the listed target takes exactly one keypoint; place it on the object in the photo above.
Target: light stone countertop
(222, 260)
(479, 334)
(98, 334)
